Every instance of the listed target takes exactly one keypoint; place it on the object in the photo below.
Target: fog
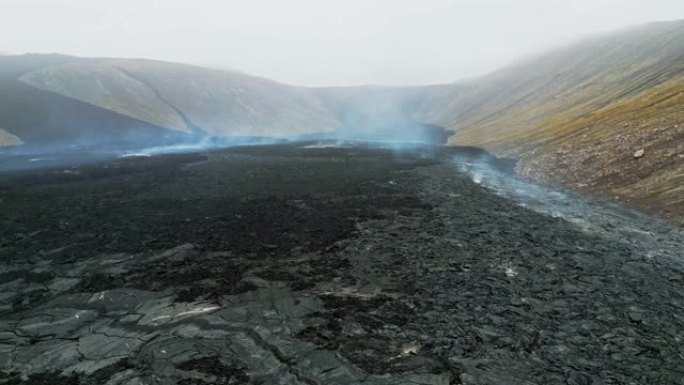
(321, 43)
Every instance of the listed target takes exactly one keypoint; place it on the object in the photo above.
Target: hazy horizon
(308, 43)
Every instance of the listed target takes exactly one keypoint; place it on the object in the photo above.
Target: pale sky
(321, 42)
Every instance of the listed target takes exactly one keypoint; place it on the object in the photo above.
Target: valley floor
(295, 264)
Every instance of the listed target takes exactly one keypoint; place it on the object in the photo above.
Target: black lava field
(329, 263)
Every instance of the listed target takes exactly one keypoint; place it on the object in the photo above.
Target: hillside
(33, 116)
(576, 116)
(221, 102)
(188, 98)
(50, 98)
(573, 117)
(519, 103)
(180, 99)
(596, 154)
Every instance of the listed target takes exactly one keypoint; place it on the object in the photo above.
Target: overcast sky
(321, 42)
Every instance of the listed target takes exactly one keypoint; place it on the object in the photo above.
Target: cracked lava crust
(292, 265)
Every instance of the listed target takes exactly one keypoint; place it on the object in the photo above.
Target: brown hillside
(575, 117)
(597, 153)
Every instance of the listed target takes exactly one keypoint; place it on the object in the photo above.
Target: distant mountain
(55, 97)
(577, 116)
(176, 97)
(36, 116)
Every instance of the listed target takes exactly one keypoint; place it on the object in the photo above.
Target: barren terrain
(326, 263)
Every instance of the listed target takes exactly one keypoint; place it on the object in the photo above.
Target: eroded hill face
(187, 98)
(107, 86)
(220, 102)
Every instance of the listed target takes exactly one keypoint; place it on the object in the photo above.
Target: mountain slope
(187, 98)
(575, 117)
(516, 105)
(223, 102)
(34, 116)
(57, 98)
(107, 87)
(597, 153)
